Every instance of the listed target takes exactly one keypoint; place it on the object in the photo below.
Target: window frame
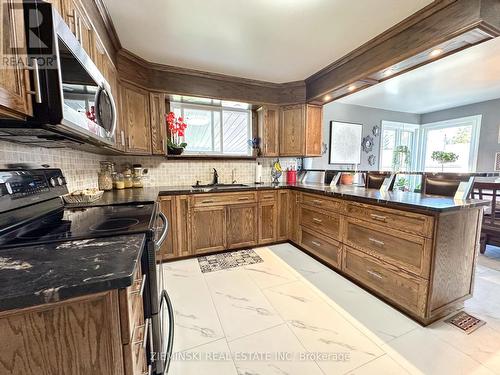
(220, 109)
(399, 127)
(475, 121)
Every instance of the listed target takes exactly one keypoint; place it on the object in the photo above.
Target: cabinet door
(158, 126)
(283, 208)
(182, 239)
(75, 17)
(292, 137)
(208, 229)
(241, 225)
(14, 98)
(268, 124)
(293, 216)
(268, 214)
(167, 207)
(136, 121)
(314, 130)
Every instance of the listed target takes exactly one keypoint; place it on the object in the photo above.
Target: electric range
(32, 212)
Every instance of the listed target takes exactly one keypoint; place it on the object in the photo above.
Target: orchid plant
(176, 127)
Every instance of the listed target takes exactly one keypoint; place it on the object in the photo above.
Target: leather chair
(374, 180)
(444, 184)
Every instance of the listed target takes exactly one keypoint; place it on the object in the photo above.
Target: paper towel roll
(258, 173)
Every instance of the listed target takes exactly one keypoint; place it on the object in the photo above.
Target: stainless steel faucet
(215, 179)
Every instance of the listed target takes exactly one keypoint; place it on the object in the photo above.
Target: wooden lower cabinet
(242, 225)
(323, 247)
(176, 209)
(407, 291)
(283, 208)
(208, 229)
(77, 336)
(268, 217)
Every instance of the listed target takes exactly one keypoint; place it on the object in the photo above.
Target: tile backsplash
(80, 168)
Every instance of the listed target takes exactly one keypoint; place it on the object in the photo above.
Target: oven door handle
(168, 352)
(164, 231)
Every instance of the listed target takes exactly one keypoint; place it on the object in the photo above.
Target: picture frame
(345, 143)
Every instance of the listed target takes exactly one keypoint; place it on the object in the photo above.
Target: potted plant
(443, 157)
(176, 128)
(346, 178)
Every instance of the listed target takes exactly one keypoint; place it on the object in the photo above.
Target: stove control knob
(52, 182)
(60, 181)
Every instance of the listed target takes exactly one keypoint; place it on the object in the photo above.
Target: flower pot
(175, 150)
(346, 179)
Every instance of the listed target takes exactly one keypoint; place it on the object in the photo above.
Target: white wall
(368, 117)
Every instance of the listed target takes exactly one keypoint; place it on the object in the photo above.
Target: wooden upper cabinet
(136, 119)
(292, 137)
(76, 18)
(158, 125)
(15, 102)
(314, 130)
(301, 130)
(268, 127)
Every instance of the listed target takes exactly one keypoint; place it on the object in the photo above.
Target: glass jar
(127, 179)
(137, 182)
(118, 182)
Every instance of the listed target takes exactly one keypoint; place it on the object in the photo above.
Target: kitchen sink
(219, 186)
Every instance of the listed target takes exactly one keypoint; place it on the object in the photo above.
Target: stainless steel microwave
(72, 101)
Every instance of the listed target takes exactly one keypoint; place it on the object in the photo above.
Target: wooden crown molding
(108, 23)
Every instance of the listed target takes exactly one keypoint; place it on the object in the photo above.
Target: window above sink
(215, 127)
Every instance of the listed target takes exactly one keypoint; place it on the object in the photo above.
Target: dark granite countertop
(39, 274)
(397, 199)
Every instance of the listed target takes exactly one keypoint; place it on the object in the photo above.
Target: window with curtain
(216, 128)
(451, 145)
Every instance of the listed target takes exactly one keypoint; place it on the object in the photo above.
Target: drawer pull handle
(316, 243)
(207, 201)
(378, 217)
(243, 198)
(376, 242)
(317, 201)
(317, 220)
(375, 274)
(144, 340)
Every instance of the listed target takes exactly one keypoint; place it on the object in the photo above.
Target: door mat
(217, 262)
(465, 322)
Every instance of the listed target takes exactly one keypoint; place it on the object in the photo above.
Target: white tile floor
(292, 315)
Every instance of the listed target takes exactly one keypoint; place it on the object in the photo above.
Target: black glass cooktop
(82, 223)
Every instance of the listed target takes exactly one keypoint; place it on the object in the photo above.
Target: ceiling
(270, 40)
(466, 77)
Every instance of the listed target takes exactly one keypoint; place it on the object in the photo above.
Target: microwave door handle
(113, 108)
(168, 352)
(37, 92)
(164, 231)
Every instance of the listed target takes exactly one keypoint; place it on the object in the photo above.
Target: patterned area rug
(223, 261)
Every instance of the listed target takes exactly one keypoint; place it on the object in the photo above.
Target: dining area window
(398, 146)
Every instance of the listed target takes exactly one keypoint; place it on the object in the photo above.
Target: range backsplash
(80, 168)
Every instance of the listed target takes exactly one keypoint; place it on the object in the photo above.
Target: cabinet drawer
(402, 249)
(320, 221)
(324, 247)
(267, 195)
(203, 200)
(322, 202)
(131, 306)
(134, 354)
(406, 291)
(402, 220)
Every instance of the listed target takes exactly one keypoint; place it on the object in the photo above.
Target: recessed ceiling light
(352, 88)
(327, 98)
(436, 52)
